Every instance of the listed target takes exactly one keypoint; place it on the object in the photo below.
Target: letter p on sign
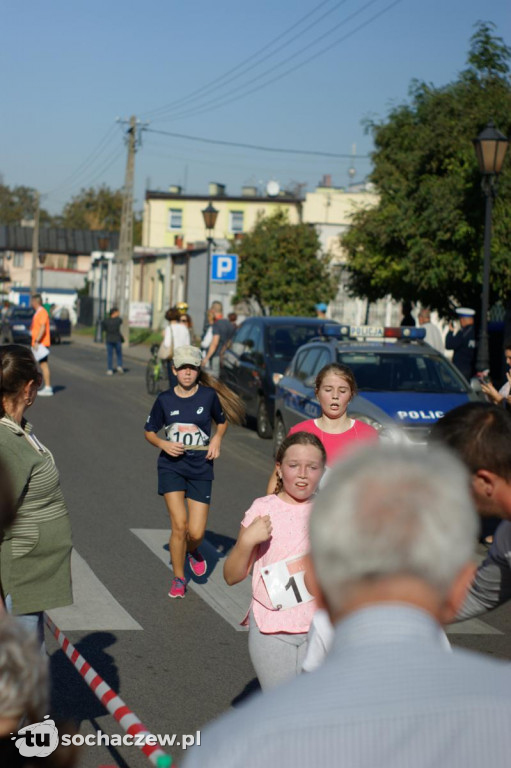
(224, 267)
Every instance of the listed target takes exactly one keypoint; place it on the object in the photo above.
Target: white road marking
(231, 603)
(94, 606)
(472, 627)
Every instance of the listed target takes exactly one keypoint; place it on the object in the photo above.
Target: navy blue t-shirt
(186, 420)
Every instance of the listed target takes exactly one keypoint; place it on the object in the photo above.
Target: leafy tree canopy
(18, 204)
(424, 239)
(90, 209)
(280, 267)
(99, 208)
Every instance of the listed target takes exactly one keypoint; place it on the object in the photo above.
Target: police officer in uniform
(463, 342)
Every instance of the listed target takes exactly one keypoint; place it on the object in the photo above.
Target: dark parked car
(16, 326)
(260, 351)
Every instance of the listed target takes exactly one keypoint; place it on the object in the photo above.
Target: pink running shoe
(197, 563)
(178, 587)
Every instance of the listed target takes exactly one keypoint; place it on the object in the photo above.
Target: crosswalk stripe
(231, 603)
(472, 627)
(94, 606)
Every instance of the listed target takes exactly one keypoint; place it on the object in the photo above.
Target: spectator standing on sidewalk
(407, 319)
(463, 342)
(433, 335)
(222, 332)
(114, 340)
(41, 342)
(503, 395)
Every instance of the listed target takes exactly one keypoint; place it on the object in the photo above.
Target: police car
(404, 385)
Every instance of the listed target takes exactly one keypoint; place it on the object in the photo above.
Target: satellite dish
(272, 188)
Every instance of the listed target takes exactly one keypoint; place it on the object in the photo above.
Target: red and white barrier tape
(107, 696)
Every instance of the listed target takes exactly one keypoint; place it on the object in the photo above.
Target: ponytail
(232, 405)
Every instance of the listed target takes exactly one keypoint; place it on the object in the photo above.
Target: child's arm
(241, 557)
(173, 449)
(214, 445)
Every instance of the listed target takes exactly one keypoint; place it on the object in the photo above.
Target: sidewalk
(139, 352)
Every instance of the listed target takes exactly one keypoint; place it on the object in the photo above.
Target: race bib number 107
(190, 435)
(284, 581)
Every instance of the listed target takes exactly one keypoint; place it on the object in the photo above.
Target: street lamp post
(490, 147)
(42, 259)
(210, 215)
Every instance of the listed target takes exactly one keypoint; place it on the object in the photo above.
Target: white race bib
(190, 435)
(284, 581)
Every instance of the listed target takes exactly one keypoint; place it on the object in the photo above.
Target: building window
(175, 218)
(72, 262)
(236, 221)
(18, 260)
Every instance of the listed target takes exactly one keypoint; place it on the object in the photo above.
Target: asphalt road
(176, 663)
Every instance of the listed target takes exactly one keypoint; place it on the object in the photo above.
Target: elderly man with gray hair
(392, 535)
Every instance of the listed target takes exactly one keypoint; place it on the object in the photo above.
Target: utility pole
(35, 246)
(125, 252)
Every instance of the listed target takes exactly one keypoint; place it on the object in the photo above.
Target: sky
(285, 74)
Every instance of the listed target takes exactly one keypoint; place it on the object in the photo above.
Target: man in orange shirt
(41, 341)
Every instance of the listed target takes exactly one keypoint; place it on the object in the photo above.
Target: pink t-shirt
(338, 446)
(290, 537)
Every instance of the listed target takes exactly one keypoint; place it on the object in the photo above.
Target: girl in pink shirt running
(335, 388)
(274, 542)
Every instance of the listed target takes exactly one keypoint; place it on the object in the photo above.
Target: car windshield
(391, 372)
(284, 340)
(22, 314)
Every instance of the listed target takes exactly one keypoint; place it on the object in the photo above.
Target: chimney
(175, 189)
(216, 189)
(326, 181)
(249, 191)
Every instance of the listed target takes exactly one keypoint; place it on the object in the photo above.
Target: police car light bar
(372, 332)
(404, 332)
(334, 329)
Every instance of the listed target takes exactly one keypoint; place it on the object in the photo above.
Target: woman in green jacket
(35, 554)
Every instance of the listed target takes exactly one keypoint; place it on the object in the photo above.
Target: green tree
(424, 239)
(17, 204)
(98, 208)
(280, 267)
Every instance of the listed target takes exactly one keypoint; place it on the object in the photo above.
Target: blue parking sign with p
(224, 267)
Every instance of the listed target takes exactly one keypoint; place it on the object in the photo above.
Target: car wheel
(279, 434)
(264, 428)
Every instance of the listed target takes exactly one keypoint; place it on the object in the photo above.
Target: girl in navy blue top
(185, 464)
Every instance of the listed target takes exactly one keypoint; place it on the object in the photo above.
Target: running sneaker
(45, 392)
(197, 563)
(178, 587)
(120, 369)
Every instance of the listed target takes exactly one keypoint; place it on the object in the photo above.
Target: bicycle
(155, 373)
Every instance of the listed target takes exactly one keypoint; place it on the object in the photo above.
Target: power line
(256, 146)
(82, 168)
(238, 72)
(218, 79)
(206, 108)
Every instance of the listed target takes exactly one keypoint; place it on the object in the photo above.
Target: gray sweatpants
(276, 657)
